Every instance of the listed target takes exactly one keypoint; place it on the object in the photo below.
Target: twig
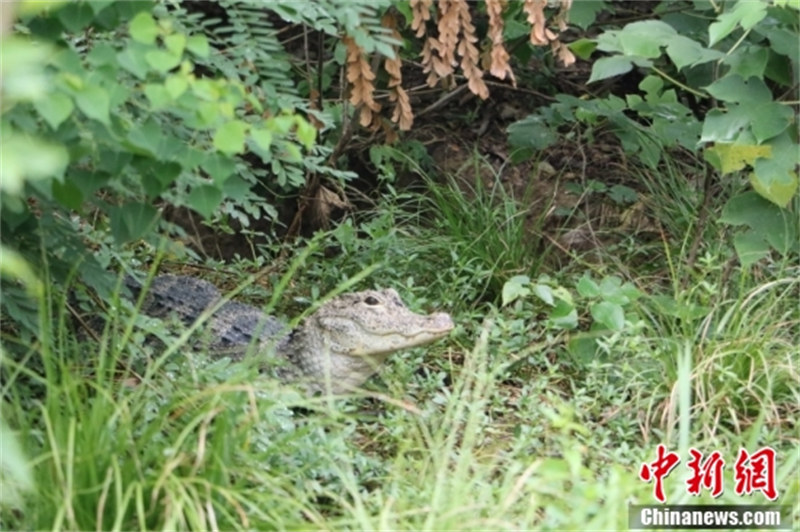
(85, 326)
(438, 104)
(701, 221)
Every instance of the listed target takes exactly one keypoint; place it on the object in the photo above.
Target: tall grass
(210, 445)
(499, 427)
(493, 233)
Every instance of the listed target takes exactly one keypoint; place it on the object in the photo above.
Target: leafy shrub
(609, 303)
(743, 75)
(110, 112)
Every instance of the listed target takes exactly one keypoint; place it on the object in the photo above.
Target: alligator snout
(440, 322)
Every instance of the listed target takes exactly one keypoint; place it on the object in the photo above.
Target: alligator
(335, 349)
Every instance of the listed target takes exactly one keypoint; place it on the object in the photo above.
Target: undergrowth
(517, 421)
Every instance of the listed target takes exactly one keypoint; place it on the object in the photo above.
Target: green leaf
(620, 194)
(769, 120)
(280, 125)
(782, 41)
(563, 294)
(750, 247)
(515, 288)
(405, 10)
(748, 61)
(237, 189)
(226, 109)
(262, 137)
(205, 199)
(611, 290)
(608, 41)
(131, 221)
(608, 67)
(206, 90)
(23, 157)
(158, 95)
(774, 177)
(750, 13)
(176, 85)
(219, 167)
(66, 59)
(67, 194)
(75, 16)
(745, 13)
(27, 61)
(772, 223)
(729, 158)
(256, 104)
(162, 61)
(306, 133)
(175, 43)
(725, 125)
(167, 172)
(229, 137)
(608, 314)
(563, 316)
(734, 88)
(290, 152)
(583, 48)
(102, 55)
(131, 8)
(687, 52)
(686, 311)
(143, 28)
(207, 113)
(198, 45)
(646, 38)
(545, 293)
(582, 347)
(193, 157)
(94, 102)
(777, 188)
(587, 287)
(14, 460)
(156, 175)
(89, 182)
(531, 132)
(132, 59)
(584, 13)
(146, 139)
(99, 5)
(54, 109)
(629, 291)
(340, 50)
(113, 162)
(14, 266)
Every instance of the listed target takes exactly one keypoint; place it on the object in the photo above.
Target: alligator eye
(371, 301)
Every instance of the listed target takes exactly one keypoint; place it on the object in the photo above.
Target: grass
(503, 426)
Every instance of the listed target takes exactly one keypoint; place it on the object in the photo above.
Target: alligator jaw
(426, 329)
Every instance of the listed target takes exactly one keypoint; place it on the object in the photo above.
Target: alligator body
(335, 349)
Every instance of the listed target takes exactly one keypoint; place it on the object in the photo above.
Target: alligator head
(345, 341)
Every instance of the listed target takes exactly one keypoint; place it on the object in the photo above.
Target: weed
(536, 414)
